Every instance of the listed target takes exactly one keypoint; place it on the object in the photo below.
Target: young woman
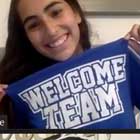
(42, 33)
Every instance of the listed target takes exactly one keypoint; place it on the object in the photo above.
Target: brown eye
(56, 12)
(33, 25)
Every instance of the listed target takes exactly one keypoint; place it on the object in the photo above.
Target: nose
(50, 26)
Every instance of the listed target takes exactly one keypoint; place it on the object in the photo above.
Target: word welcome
(83, 95)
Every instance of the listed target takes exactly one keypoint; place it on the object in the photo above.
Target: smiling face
(52, 27)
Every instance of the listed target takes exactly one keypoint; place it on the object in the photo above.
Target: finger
(4, 86)
(135, 32)
(2, 94)
(127, 36)
(134, 45)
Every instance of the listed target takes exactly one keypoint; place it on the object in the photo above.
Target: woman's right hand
(3, 87)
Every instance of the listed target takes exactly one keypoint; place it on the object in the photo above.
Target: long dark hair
(20, 58)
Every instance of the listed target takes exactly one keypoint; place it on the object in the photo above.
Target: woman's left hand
(133, 36)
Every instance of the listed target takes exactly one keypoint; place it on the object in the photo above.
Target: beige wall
(109, 28)
(4, 6)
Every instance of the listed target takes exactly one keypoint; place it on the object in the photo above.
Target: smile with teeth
(58, 42)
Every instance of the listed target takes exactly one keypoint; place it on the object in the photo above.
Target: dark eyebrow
(51, 5)
(28, 19)
(45, 9)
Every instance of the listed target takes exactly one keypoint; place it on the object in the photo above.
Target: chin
(64, 58)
